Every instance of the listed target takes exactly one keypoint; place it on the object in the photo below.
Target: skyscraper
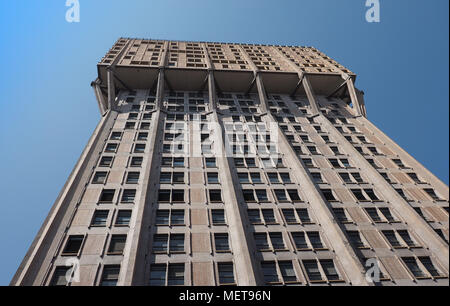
(236, 164)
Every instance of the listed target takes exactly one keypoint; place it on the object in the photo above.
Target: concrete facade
(230, 164)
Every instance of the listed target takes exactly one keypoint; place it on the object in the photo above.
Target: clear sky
(48, 109)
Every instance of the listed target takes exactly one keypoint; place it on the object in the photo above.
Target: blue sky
(48, 110)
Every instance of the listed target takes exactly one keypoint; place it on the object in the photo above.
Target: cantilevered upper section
(224, 56)
(136, 62)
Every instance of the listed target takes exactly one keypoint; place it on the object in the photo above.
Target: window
(399, 163)
(261, 241)
(176, 243)
(345, 177)
(177, 217)
(73, 245)
(117, 244)
(133, 177)
(287, 271)
(123, 218)
(315, 240)
(162, 217)
(256, 178)
(277, 241)
(111, 147)
(213, 178)
(273, 178)
(139, 148)
(392, 238)
(330, 270)
(308, 162)
(328, 194)
(373, 213)
(285, 178)
(371, 194)
(387, 214)
(142, 136)
(99, 177)
(407, 238)
(415, 178)
(359, 195)
(106, 161)
(221, 242)
(304, 215)
(268, 216)
(357, 177)
(261, 194)
(128, 196)
(300, 241)
(356, 240)
(59, 276)
(100, 218)
(317, 177)
(254, 216)
(312, 270)
(335, 150)
(281, 195)
(226, 273)
(136, 161)
(110, 276)
(215, 195)
(412, 265)
(293, 195)
(171, 195)
(432, 194)
(158, 275)
(341, 215)
(269, 270)
(210, 162)
(428, 264)
(160, 243)
(107, 196)
(178, 178)
(218, 217)
(176, 275)
(289, 216)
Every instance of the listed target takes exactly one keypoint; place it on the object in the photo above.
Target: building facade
(236, 164)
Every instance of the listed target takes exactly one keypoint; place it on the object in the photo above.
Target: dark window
(218, 216)
(303, 215)
(312, 269)
(329, 269)
(123, 217)
(254, 216)
(100, 218)
(221, 242)
(128, 196)
(107, 196)
(136, 161)
(213, 178)
(261, 241)
(133, 177)
(412, 265)
(226, 273)
(316, 241)
(328, 194)
(270, 272)
(117, 244)
(160, 243)
(287, 271)
(106, 161)
(116, 136)
(268, 216)
(176, 275)
(162, 217)
(73, 245)
(110, 276)
(176, 243)
(59, 276)
(157, 275)
(215, 195)
(99, 177)
(178, 195)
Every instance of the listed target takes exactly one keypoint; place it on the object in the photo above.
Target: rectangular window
(261, 241)
(221, 242)
(100, 218)
(303, 214)
(218, 217)
(99, 177)
(277, 241)
(136, 161)
(107, 196)
(106, 161)
(160, 243)
(269, 270)
(213, 178)
(59, 277)
(128, 196)
(176, 243)
(215, 195)
(123, 218)
(287, 271)
(412, 265)
(73, 245)
(133, 177)
(110, 275)
(312, 270)
(328, 194)
(176, 275)
(158, 275)
(117, 244)
(226, 273)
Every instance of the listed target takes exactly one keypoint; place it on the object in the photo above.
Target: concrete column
(111, 89)
(102, 104)
(245, 264)
(350, 262)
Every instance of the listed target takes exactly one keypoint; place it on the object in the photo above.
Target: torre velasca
(237, 164)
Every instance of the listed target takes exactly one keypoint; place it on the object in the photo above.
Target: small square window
(123, 218)
(136, 161)
(99, 177)
(107, 196)
(106, 161)
(100, 218)
(215, 195)
(73, 245)
(213, 178)
(116, 136)
(117, 244)
(128, 196)
(133, 177)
